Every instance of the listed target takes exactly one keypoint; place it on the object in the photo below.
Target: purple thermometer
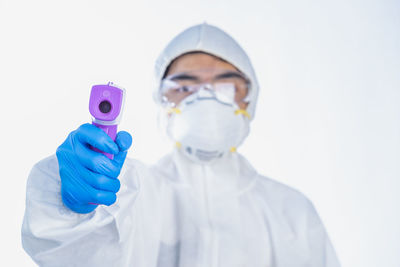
(105, 105)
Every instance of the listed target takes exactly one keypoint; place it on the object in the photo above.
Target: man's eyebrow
(230, 74)
(183, 77)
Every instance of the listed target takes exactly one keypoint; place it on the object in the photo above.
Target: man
(201, 205)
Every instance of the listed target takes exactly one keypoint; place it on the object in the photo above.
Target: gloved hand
(89, 178)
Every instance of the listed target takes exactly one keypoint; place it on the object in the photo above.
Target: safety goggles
(225, 85)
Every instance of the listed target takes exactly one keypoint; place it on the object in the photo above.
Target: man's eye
(183, 89)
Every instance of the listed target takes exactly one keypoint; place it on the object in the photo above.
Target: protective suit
(179, 212)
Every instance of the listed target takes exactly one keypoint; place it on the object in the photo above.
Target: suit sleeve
(53, 235)
(322, 252)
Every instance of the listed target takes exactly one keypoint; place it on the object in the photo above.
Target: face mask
(205, 128)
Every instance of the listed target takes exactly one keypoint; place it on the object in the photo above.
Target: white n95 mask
(205, 128)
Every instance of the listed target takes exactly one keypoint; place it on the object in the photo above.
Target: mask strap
(178, 144)
(243, 112)
(174, 110)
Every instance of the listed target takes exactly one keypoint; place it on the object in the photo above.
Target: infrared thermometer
(105, 105)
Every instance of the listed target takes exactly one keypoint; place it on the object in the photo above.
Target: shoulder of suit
(284, 197)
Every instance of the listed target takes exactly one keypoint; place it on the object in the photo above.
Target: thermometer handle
(111, 130)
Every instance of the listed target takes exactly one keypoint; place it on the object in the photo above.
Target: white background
(327, 121)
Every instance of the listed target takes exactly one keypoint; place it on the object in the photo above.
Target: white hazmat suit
(178, 212)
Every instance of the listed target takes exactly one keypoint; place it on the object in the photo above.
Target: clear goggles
(226, 86)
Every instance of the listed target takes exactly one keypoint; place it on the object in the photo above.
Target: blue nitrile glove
(89, 178)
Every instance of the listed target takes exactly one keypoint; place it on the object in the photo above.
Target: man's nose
(205, 91)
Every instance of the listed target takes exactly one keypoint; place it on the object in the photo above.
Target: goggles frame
(190, 82)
